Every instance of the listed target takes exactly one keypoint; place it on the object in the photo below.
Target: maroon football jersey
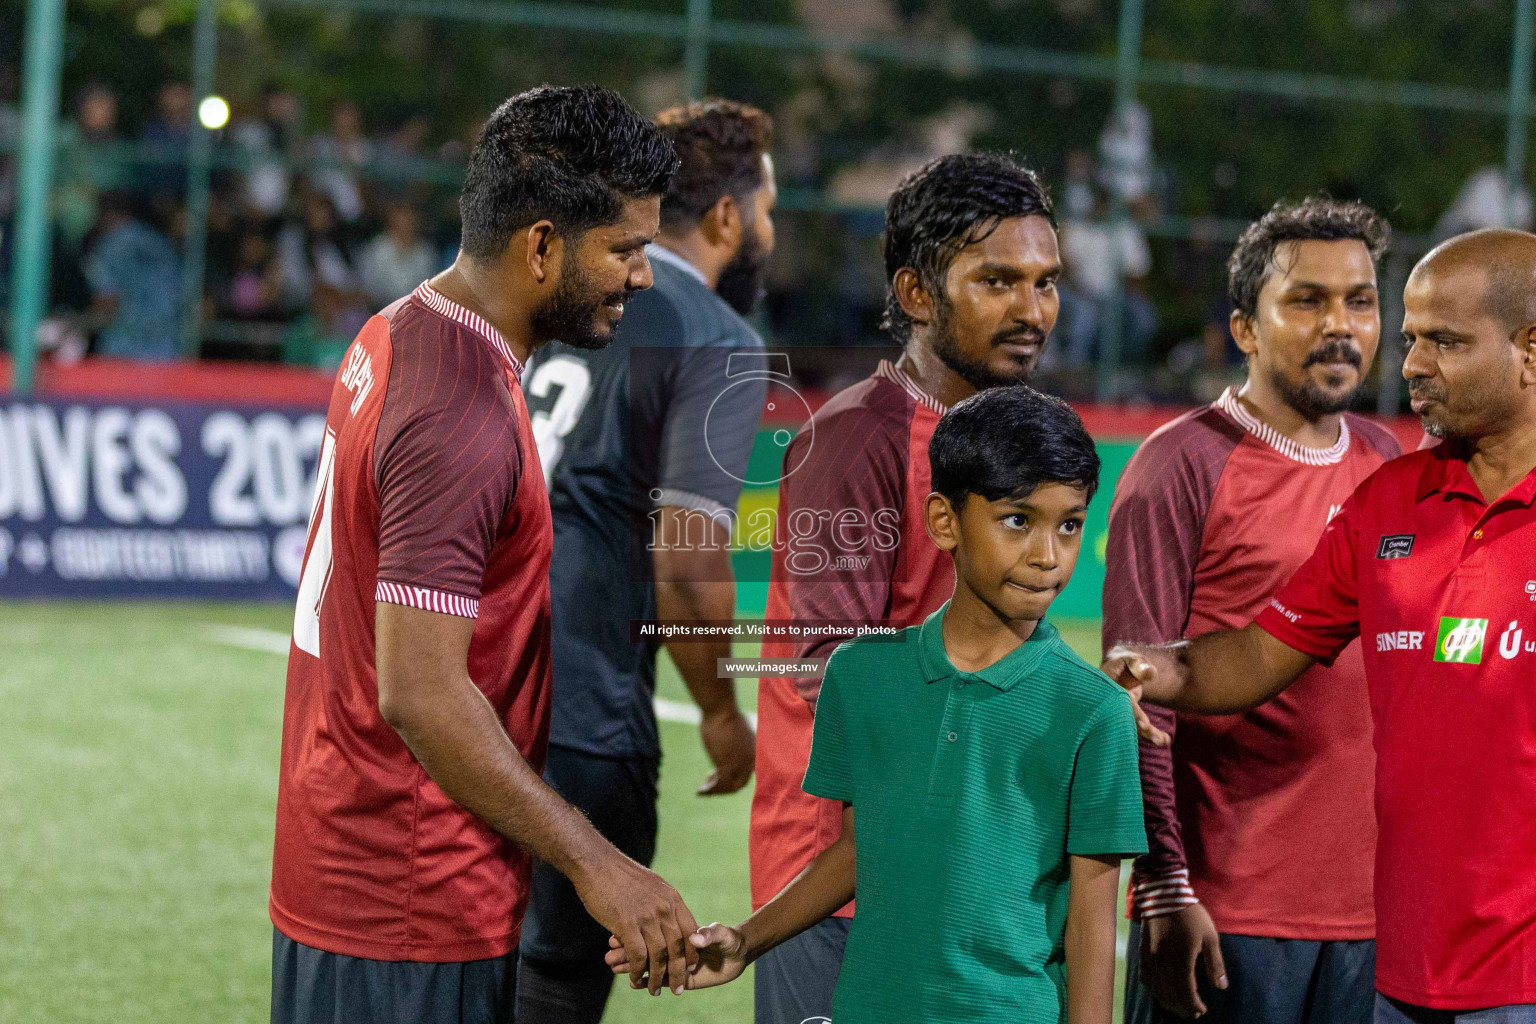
(429, 494)
(850, 546)
(1264, 816)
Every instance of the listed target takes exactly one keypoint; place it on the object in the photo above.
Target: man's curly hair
(1316, 218)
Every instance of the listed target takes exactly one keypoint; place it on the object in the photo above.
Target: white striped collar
(657, 251)
(887, 370)
(1329, 456)
(440, 304)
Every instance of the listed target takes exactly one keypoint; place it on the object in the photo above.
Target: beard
(570, 314)
(741, 281)
(1308, 397)
(978, 372)
(1478, 412)
(1425, 388)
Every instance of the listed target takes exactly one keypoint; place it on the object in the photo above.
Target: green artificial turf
(138, 770)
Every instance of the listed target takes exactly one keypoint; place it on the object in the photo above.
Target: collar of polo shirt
(1448, 472)
(1003, 673)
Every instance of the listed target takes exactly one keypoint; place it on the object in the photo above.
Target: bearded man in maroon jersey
(410, 805)
(1260, 826)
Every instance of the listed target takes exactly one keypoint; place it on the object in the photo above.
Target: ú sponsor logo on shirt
(1512, 642)
(1402, 640)
(1395, 545)
(1461, 640)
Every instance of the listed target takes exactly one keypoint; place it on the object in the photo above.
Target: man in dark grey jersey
(645, 469)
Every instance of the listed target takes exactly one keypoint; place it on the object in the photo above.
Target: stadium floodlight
(213, 112)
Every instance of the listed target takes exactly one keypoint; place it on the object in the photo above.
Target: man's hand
(1132, 670)
(1172, 946)
(732, 748)
(721, 950)
(648, 917)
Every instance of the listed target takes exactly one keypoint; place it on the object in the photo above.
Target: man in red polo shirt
(1432, 563)
(971, 258)
(409, 800)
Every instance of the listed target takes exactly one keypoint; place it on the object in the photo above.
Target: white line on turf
(250, 639)
(271, 642)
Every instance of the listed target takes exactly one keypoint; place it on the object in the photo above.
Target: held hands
(1172, 946)
(1133, 670)
(721, 958)
(648, 919)
(732, 749)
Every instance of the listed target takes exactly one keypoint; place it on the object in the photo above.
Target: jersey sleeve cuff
(1166, 893)
(697, 502)
(827, 788)
(426, 600)
(1275, 620)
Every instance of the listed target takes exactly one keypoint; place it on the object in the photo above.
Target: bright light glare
(213, 112)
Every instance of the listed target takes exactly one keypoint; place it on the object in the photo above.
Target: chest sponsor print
(1395, 545)
(1460, 640)
(1401, 640)
(1512, 641)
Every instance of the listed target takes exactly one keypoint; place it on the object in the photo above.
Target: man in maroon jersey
(970, 254)
(1431, 564)
(417, 711)
(1260, 829)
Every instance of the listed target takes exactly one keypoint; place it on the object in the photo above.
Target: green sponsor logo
(1461, 640)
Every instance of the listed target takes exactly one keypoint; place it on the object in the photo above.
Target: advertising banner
(108, 498)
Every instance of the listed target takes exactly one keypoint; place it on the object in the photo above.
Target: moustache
(1334, 352)
(1020, 336)
(1423, 387)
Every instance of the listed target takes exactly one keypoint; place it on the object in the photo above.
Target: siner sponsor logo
(1402, 640)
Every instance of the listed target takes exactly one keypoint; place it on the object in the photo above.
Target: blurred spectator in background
(343, 150)
(1077, 186)
(255, 284)
(398, 259)
(135, 279)
(316, 269)
(1126, 164)
(269, 140)
(169, 131)
(1093, 251)
(1485, 200)
(401, 153)
(84, 172)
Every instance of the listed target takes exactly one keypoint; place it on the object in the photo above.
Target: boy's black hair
(946, 205)
(571, 155)
(1006, 441)
(1316, 218)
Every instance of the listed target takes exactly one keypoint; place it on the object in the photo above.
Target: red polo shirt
(1441, 587)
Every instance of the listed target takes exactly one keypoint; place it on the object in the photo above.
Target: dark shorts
(619, 798)
(1271, 981)
(311, 986)
(1395, 1011)
(793, 983)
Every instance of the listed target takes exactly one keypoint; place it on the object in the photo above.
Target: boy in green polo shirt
(991, 773)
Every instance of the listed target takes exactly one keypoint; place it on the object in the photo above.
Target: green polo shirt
(970, 791)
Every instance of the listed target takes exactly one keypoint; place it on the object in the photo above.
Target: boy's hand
(1172, 946)
(1132, 670)
(721, 951)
